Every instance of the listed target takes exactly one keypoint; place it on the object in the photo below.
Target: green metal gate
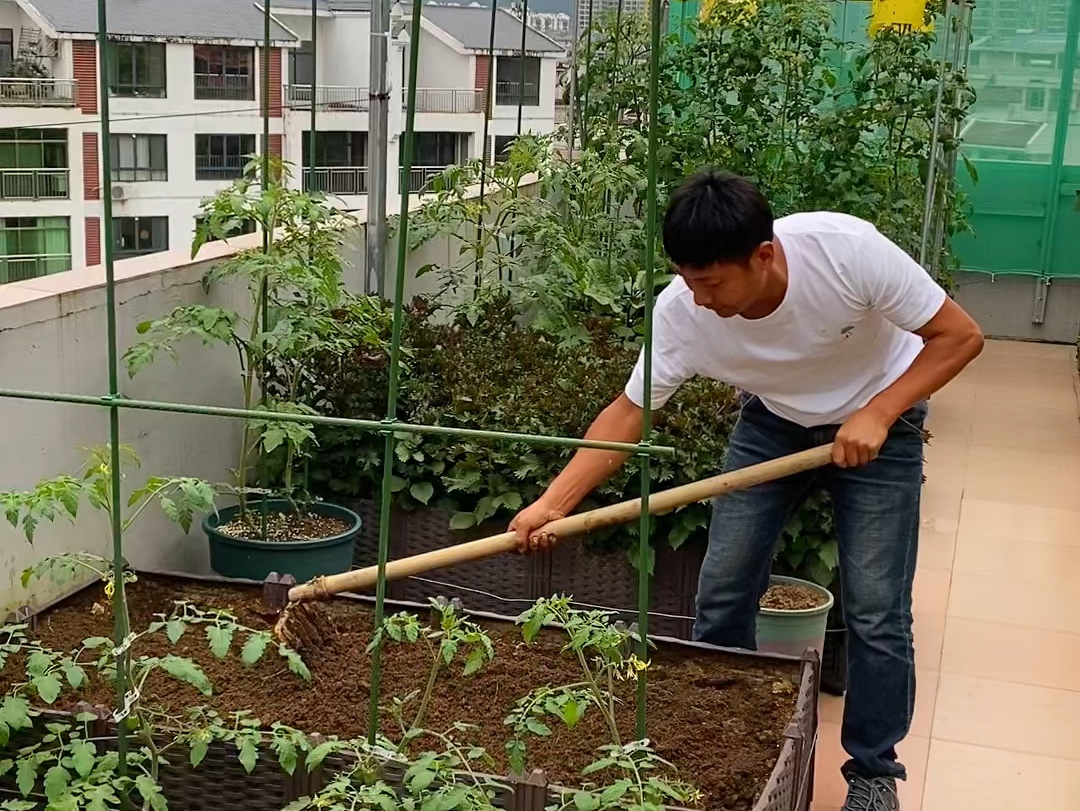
(1023, 138)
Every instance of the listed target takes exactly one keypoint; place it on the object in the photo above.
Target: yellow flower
(634, 666)
(110, 588)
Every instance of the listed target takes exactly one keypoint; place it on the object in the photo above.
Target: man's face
(731, 288)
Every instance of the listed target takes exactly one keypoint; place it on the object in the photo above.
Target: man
(833, 334)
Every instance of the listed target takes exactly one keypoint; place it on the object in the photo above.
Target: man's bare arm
(587, 470)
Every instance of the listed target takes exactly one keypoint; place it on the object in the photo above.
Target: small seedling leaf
(174, 629)
(83, 756)
(48, 687)
(198, 752)
(220, 640)
(584, 801)
(56, 783)
(254, 648)
(249, 755)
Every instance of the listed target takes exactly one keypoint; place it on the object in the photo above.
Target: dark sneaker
(871, 794)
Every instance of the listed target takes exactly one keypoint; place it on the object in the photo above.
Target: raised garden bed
(757, 713)
(508, 583)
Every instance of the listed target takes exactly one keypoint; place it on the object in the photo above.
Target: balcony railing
(34, 184)
(448, 100)
(511, 94)
(421, 176)
(343, 180)
(218, 87)
(219, 168)
(340, 180)
(327, 97)
(37, 92)
(21, 268)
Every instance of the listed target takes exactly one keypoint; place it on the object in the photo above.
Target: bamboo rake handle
(622, 513)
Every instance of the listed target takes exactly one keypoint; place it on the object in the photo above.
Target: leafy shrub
(497, 375)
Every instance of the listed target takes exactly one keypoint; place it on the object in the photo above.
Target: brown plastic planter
(267, 788)
(507, 584)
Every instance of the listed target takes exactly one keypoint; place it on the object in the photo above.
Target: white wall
(346, 44)
(539, 119)
(439, 65)
(53, 338)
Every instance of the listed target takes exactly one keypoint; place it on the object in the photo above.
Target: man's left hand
(859, 440)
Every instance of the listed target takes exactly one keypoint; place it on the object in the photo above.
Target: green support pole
(646, 420)
(1061, 136)
(109, 401)
(588, 79)
(120, 620)
(521, 80)
(266, 116)
(488, 101)
(314, 93)
(395, 367)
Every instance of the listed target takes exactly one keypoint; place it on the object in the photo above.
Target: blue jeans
(876, 509)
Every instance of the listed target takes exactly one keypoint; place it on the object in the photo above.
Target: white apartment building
(186, 110)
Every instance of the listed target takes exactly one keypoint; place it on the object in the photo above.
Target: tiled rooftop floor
(997, 596)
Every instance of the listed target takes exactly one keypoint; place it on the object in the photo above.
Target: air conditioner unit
(119, 193)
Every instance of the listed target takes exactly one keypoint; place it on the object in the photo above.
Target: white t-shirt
(842, 334)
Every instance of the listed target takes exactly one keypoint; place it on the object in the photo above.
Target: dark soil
(792, 597)
(719, 718)
(284, 527)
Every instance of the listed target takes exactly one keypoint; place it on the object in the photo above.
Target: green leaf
(537, 727)
(199, 750)
(151, 792)
(462, 521)
(174, 629)
(56, 783)
(18, 805)
(584, 801)
(75, 675)
(296, 664)
(422, 491)
(249, 755)
(83, 756)
(474, 661)
(38, 663)
(571, 712)
(95, 642)
(254, 648)
(48, 687)
(220, 640)
(613, 793)
(15, 712)
(420, 779)
(187, 671)
(26, 775)
(317, 755)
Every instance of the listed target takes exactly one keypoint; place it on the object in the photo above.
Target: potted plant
(808, 552)
(297, 311)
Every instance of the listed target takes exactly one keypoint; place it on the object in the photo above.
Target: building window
(7, 49)
(137, 69)
(138, 158)
(138, 236)
(222, 157)
(509, 89)
(33, 164)
(224, 73)
(503, 145)
(436, 148)
(1036, 98)
(33, 246)
(302, 65)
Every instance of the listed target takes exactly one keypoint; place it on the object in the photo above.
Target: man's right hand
(528, 526)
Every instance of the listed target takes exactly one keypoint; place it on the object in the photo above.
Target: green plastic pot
(792, 632)
(253, 560)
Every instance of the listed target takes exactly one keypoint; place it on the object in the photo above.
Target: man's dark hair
(716, 216)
